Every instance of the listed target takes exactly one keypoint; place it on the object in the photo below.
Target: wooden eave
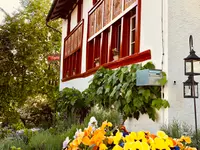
(60, 9)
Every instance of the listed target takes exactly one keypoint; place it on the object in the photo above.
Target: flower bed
(109, 137)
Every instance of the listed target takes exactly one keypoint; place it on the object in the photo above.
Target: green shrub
(72, 107)
(176, 129)
(8, 143)
(46, 141)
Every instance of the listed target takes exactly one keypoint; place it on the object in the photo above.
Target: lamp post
(192, 68)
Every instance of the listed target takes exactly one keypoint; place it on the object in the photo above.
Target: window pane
(133, 23)
(132, 48)
(118, 37)
(133, 36)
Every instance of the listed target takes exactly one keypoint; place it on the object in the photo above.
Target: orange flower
(88, 131)
(86, 141)
(110, 139)
(97, 138)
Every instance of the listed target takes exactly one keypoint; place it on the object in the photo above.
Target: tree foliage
(25, 43)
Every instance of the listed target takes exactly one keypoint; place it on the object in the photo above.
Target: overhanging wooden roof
(60, 9)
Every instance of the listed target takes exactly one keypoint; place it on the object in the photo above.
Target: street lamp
(192, 62)
(192, 68)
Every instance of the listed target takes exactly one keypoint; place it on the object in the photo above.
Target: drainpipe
(52, 28)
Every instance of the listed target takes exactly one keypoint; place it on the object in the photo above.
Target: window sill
(136, 58)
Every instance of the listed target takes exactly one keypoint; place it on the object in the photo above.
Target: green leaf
(127, 109)
(128, 96)
(121, 77)
(149, 65)
(147, 94)
(165, 104)
(158, 103)
(136, 115)
(114, 91)
(107, 89)
(138, 102)
(100, 91)
(163, 81)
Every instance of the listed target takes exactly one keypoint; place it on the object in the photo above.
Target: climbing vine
(117, 88)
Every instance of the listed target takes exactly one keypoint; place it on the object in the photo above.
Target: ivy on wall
(117, 89)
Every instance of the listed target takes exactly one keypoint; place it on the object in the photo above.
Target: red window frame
(119, 40)
(106, 42)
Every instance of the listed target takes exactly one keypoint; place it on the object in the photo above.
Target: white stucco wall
(154, 33)
(74, 18)
(184, 19)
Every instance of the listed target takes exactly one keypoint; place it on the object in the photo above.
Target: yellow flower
(162, 135)
(145, 146)
(117, 137)
(186, 139)
(104, 124)
(141, 137)
(190, 148)
(169, 142)
(133, 137)
(117, 147)
(102, 147)
(136, 146)
(160, 144)
(109, 124)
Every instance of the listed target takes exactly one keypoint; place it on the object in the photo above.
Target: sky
(9, 6)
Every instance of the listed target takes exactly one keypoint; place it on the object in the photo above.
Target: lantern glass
(188, 67)
(188, 89)
(196, 66)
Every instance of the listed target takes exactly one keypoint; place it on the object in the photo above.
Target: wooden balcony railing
(73, 41)
(105, 12)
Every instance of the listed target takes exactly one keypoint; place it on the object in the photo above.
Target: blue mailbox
(148, 77)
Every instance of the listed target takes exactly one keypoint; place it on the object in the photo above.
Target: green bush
(176, 129)
(7, 143)
(46, 141)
